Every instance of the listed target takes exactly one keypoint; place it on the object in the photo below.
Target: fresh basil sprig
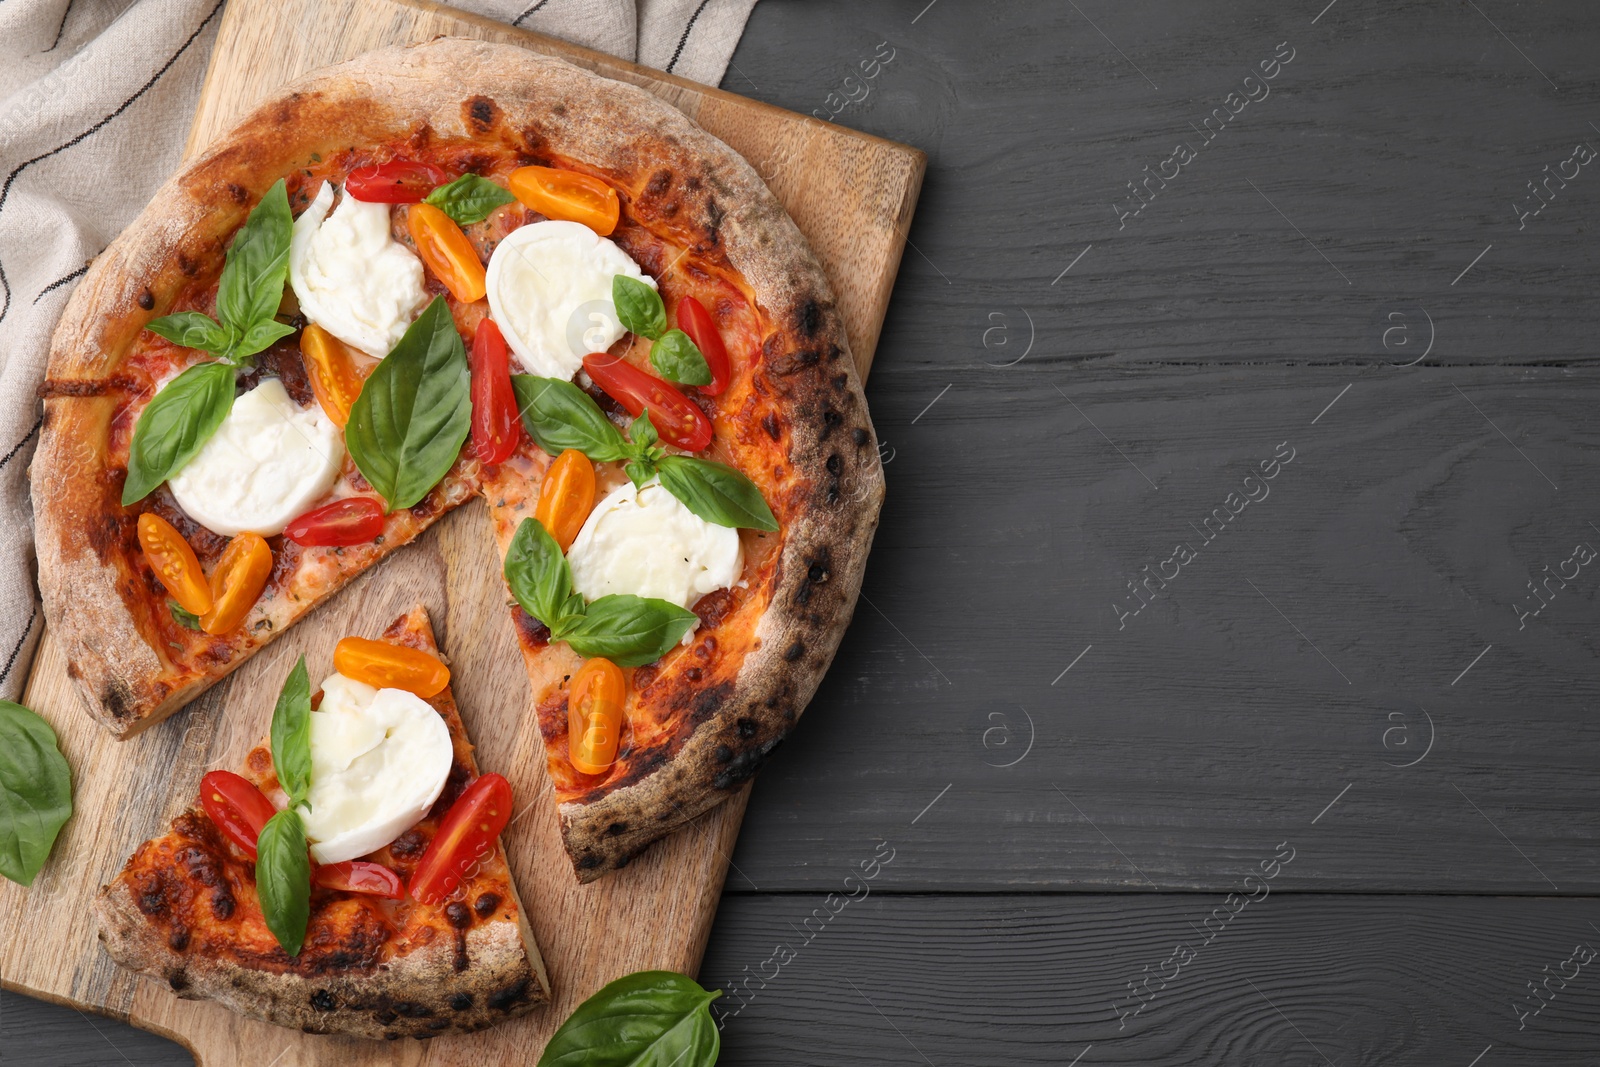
(470, 198)
(648, 1019)
(626, 629)
(673, 355)
(559, 416)
(291, 735)
(35, 792)
(183, 616)
(187, 411)
(283, 879)
(415, 411)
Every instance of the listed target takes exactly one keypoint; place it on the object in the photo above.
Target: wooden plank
(656, 913)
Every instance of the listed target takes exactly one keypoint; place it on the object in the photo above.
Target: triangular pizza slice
(188, 906)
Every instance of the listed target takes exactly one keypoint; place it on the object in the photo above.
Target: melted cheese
(645, 542)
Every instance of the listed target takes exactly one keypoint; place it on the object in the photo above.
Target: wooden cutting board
(851, 194)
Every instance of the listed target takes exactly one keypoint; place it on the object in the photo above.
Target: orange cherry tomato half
(334, 372)
(567, 195)
(359, 876)
(238, 808)
(236, 583)
(175, 563)
(594, 715)
(397, 182)
(696, 321)
(678, 420)
(466, 836)
(355, 520)
(447, 252)
(385, 666)
(566, 496)
(495, 426)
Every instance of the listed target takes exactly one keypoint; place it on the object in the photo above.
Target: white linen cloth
(96, 97)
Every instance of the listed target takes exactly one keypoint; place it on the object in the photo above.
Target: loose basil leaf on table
(676, 358)
(539, 576)
(628, 630)
(639, 307)
(191, 329)
(470, 198)
(257, 265)
(414, 412)
(173, 426)
(560, 416)
(648, 1019)
(291, 735)
(35, 792)
(283, 879)
(716, 492)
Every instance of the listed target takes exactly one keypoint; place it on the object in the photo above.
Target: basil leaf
(560, 416)
(35, 792)
(643, 435)
(251, 287)
(628, 630)
(639, 307)
(192, 330)
(260, 337)
(676, 358)
(648, 1019)
(175, 424)
(716, 492)
(413, 415)
(283, 879)
(291, 735)
(539, 575)
(470, 198)
(639, 472)
(182, 616)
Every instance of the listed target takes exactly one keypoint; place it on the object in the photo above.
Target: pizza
(461, 270)
(396, 796)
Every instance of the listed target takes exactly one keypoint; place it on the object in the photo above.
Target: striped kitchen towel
(95, 101)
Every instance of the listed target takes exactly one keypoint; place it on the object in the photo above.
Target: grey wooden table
(1224, 689)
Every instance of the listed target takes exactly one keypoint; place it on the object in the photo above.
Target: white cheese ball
(550, 294)
(645, 542)
(267, 462)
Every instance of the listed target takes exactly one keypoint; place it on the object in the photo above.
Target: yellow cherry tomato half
(385, 666)
(236, 583)
(594, 715)
(175, 564)
(334, 372)
(446, 251)
(567, 195)
(566, 496)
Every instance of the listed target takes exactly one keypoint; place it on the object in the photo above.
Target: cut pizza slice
(394, 810)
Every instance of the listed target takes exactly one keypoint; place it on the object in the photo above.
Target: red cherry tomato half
(466, 836)
(396, 182)
(238, 808)
(494, 405)
(359, 876)
(696, 321)
(355, 520)
(678, 420)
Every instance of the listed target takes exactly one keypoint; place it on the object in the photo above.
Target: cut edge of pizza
(185, 909)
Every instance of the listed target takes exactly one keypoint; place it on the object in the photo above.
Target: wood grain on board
(851, 194)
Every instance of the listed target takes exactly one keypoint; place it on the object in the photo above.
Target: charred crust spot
(835, 464)
(437, 1024)
(408, 844)
(840, 381)
(659, 183)
(794, 652)
(486, 904)
(817, 573)
(724, 754)
(831, 421)
(322, 1000)
(239, 193)
(391, 1035)
(118, 699)
(178, 940)
(178, 980)
(617, 828)
(588, 862)
(860, 436)
(412, 1010)
(502, 999)
(459, 963)
(714, 607)
(458, 915)
(460, 1001)
(147, 300)
(533, 634)
(809, 318)
(386, 1016)
(693, 674)
(745, 765)
(791, 362)
(714, 217)
(481, 113)
(769, 423)
(187, 265)
(708, 701)
(453, 785)
(82, 387)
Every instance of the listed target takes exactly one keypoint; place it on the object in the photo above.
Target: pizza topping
(594, 715)
(175, 564)
(470, 198)
(568, 195)
(379, 759)
(175, 425)
(550, 289)
(644, 541)
(679, 420)
(466, 836)
(446, 251)
(398, 181)
(236, 583)
(387, 666)
(359, 876)
(239, 809)
(494, 406)
(566, 496)
(356, 520)
(696, 321)
(351, 276)
(269, 459)
(333, 370)
(283, 879)
(673, 355)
